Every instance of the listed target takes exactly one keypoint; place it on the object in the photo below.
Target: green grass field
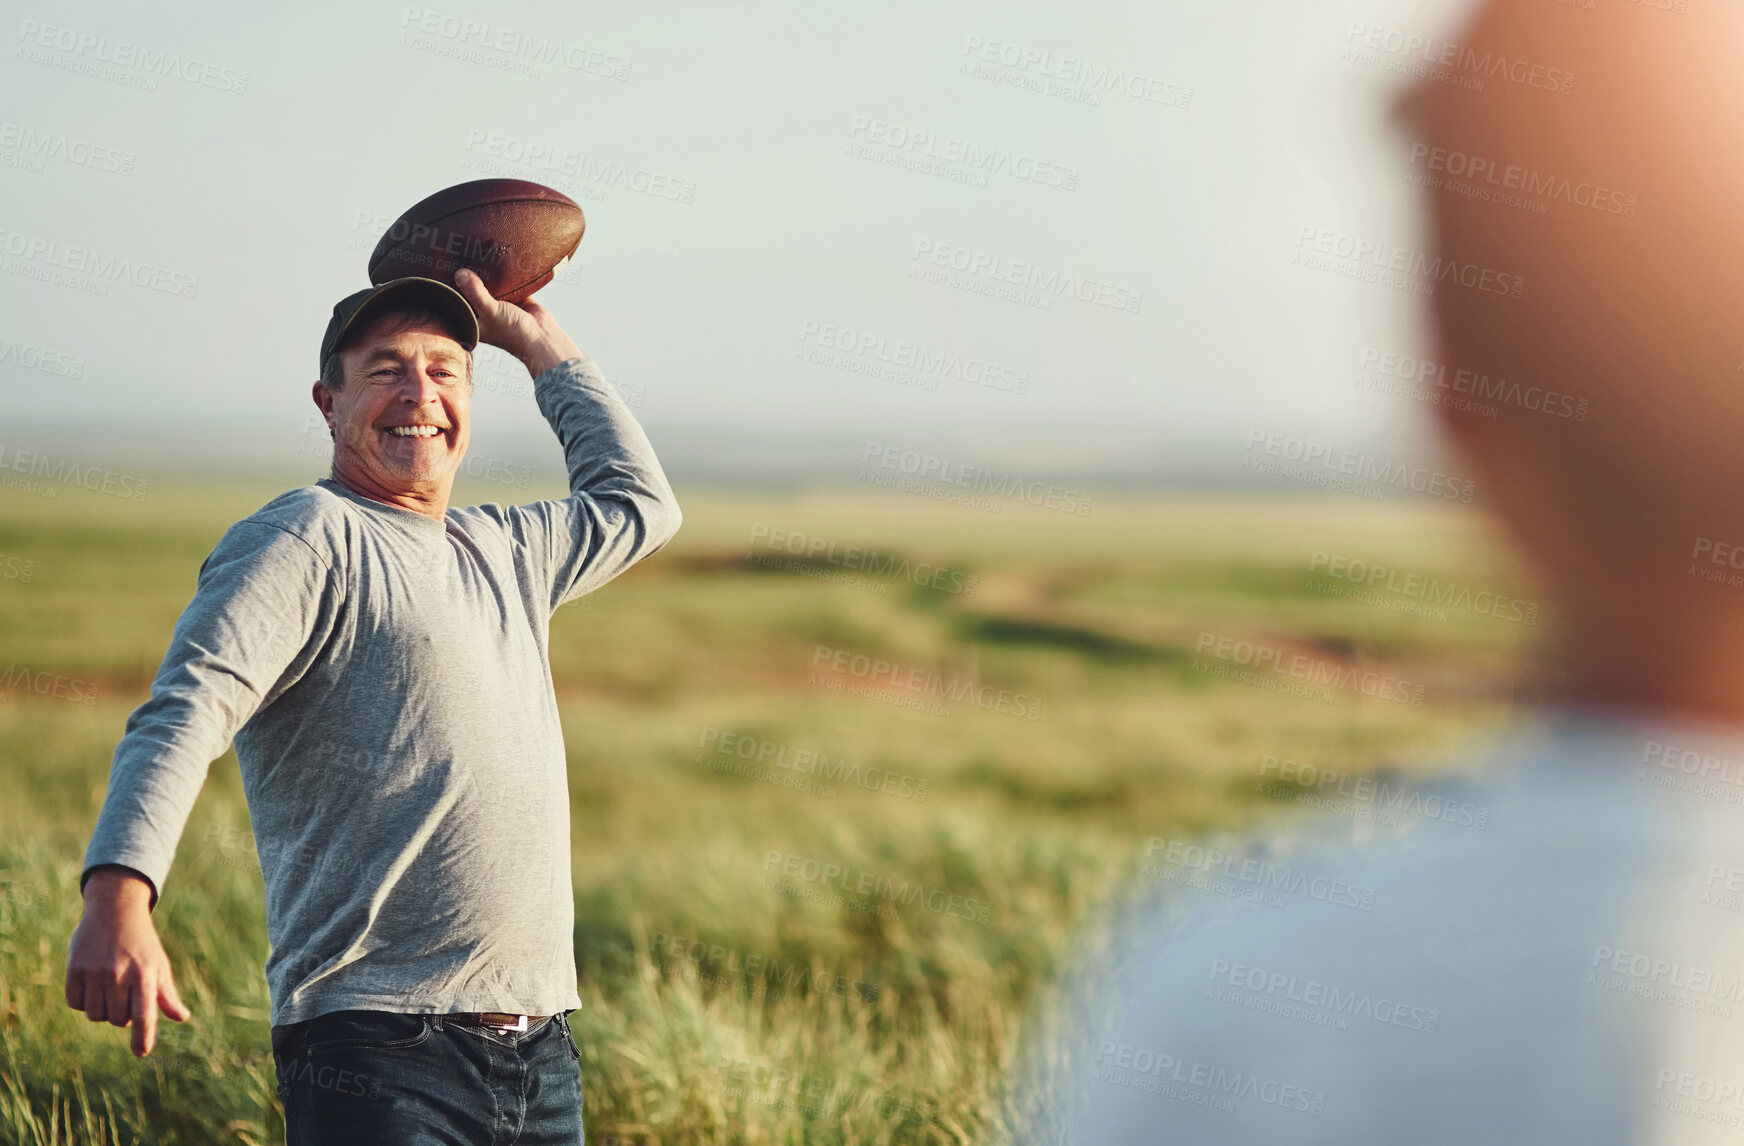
(723, 1002)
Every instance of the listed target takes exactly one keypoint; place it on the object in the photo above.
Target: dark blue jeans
(390, 1079)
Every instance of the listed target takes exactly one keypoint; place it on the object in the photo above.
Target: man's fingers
(471, 288)
(143, 1011)
(120, 997)
(96, 1006)
(75, 989)
(170, 1000)
(98, 994)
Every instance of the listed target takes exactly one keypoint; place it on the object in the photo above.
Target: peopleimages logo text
(926, 682)
(1479, 385)
(1392, 257)
(1042, 279)
(1288, 776)
(1422, 587)
(96, 479)
(931, 467)
(1276, 659)
(1526, 180)
(125, 54)
(1358, 465)
(1190, 856)
(1459, 57)
(875, 886)
(103, 266)
(1348, 1004)
(862, 559)
(1132, 1066)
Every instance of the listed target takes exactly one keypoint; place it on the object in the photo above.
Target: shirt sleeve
(249, 633)
(620, 507)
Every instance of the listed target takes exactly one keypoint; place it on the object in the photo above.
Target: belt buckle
(518, 1026)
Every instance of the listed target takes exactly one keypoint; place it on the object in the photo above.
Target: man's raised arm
(620, 507)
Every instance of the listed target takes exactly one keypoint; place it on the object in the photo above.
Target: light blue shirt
(1552, 953)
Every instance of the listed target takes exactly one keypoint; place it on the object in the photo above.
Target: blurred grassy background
(1042, 821)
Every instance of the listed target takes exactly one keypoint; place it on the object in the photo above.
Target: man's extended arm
(259, 596)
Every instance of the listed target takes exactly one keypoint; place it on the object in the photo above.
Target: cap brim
(434, 293)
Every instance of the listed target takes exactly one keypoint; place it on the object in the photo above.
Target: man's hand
(526, 330)
(117, 971)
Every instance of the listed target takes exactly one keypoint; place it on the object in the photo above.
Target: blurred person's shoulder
(1548, 950)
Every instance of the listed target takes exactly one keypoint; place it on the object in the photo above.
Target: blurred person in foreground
(382, 661)
(1567, 967)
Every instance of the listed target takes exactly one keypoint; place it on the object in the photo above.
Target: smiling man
(381, 662)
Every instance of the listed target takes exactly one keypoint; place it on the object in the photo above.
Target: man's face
(401, 421)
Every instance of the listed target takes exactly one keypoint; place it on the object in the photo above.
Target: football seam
(503, 203)
(375, 262)
(550, 275)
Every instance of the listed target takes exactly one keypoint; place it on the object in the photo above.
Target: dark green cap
(354, 310)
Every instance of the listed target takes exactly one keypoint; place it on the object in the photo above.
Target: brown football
(515, 234)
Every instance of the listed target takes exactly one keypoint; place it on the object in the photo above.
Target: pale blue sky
(272, 197)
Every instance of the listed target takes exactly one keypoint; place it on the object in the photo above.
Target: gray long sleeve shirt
(386, 681)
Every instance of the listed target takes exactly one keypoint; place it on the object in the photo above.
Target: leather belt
(498, 1020)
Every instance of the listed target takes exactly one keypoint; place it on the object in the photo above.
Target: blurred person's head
(1639, 313)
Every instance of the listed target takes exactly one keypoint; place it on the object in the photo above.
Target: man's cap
(352, 312)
